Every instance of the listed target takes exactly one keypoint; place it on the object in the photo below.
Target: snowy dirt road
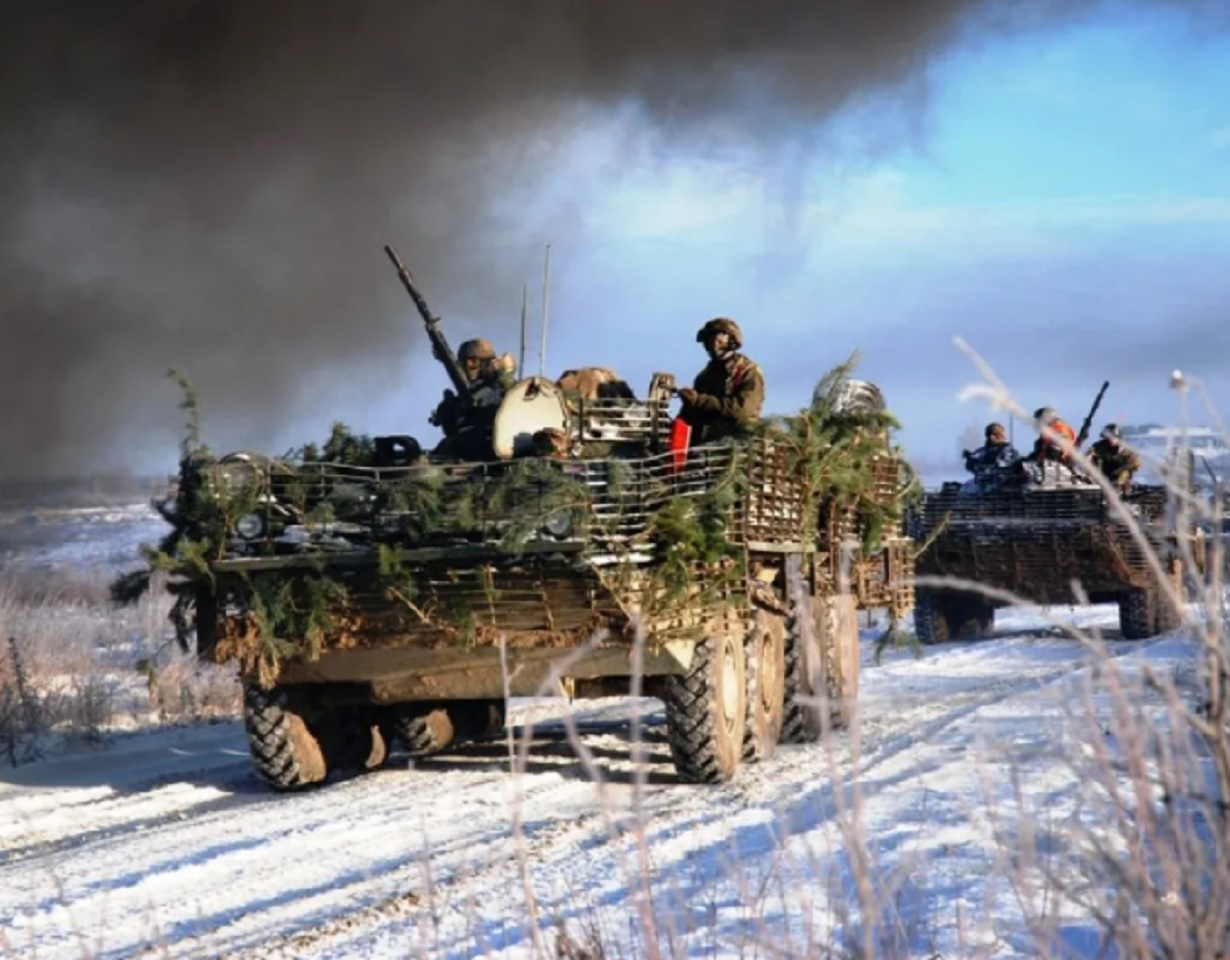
(167, 842)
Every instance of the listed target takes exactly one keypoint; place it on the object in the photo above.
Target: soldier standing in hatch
(489, 376)
(726, 397)
(995, 457)
(1051, 448)
(1117, 463)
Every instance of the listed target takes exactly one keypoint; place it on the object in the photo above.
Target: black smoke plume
(206, 184)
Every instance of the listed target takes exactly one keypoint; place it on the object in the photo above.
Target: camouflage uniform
(1116, 462)
(727, 396)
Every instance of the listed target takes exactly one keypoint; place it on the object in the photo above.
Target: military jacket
(453, 413)
(1116, 463)
(1047, 449)
(991, 457)
(730, 397)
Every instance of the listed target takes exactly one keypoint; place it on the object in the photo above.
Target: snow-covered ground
(79, 539)
(166, 841)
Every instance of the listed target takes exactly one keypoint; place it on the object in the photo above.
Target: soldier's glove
(688, 396)
(966, 454)
(445, 411)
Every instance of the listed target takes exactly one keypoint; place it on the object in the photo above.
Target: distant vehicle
(1037, 538)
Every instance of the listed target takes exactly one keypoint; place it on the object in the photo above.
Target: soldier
(995, 456)
(726, 396)
(489, 376)
(1048, 448)
(1117, 463)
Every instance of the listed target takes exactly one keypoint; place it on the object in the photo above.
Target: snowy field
(954, 790)
(77, 539)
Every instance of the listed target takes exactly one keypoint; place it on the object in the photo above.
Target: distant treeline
(93, 490)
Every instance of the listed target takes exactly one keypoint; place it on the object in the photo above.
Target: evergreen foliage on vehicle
(829, 451)
(832, 451)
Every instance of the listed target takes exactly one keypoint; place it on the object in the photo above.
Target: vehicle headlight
(559, 525)
(250, 526)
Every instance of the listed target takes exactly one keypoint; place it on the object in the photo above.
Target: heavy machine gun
(439, 345)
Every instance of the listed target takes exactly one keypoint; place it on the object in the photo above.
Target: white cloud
(994, 226)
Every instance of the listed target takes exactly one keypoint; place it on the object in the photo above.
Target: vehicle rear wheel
(842, 656)
(427, 728)
(362, 745)
(970, 617)
(1145, 613)
(1136, 614)
(286, 754)
(425, 733)
(766, 666)
(477, 719)
(706, 711)
(822, 668)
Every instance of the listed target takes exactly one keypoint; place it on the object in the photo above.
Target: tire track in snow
(368, 872)
(884, 739)
(277, 851)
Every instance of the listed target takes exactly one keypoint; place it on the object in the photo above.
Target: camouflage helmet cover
(476, 350)
(1112, 432)
(721, 325)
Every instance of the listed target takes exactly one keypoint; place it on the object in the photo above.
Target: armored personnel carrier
(374, 594)
(1037, 534)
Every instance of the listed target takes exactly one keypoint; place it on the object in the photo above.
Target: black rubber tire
(1136, 616)
(358, 744)
(766, 668)
(706, 711)
(1145, 613)
(841, 666)
(814, 673)
(969, 617)
(478, 719)
(423, 734)
(286, 754)
(426, 729)
(800, 722)
(931, 617)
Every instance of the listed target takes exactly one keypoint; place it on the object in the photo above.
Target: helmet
(475, 350)
(1045, 415)
(1112, 432)
(995, 430)
(853, 398)
(721, 325)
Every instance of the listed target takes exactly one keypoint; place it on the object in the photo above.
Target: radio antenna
(546, 302)
(525, 294)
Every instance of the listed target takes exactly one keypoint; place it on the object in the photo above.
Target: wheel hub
(768, 669)
(730, 688)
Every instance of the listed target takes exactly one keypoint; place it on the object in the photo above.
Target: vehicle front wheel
(286, 754)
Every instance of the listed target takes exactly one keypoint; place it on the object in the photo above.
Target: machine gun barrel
(439, 345)
(1088, 423)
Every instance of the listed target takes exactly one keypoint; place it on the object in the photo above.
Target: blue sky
(1060, 198)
